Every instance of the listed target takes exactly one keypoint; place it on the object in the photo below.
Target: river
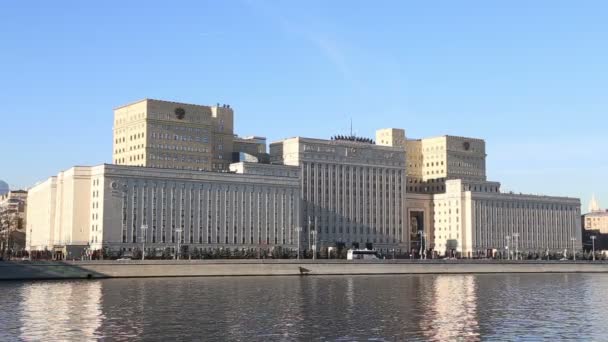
(333, 308)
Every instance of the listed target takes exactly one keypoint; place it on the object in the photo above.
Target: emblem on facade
(180, 113)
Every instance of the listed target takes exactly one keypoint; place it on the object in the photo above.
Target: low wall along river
(25, 270)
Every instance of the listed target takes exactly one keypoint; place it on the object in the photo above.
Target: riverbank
(25, 270)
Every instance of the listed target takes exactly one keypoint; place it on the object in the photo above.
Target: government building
(181, 180)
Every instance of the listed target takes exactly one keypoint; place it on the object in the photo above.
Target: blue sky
(529, 77)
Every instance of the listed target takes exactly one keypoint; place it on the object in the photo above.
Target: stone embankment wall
(23, 270)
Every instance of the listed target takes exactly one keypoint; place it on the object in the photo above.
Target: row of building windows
(181, 158)
(122, 118)
(199, 149)
(345, 199)
(538, 226)
(180, 128)
(178, 137)
(213, 216)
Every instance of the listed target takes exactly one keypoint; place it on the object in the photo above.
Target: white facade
(353, 192)
(59, 215)
(470, 221)
(105, 206)
(41, 215)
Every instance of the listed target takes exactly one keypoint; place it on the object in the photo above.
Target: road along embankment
(24, 270)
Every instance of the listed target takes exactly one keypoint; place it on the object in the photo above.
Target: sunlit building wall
(469, 220)
(105, 206)
(167, 134)
(353, 190)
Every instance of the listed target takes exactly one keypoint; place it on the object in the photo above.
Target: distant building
(4, 188)
(104, 207)
(164, 134)
(13, 220)
(595, 223)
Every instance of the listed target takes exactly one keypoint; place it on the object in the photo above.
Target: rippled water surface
(382, 308)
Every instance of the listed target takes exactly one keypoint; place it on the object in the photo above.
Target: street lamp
(299, 230)
(144, 227)
(421, 233)
(314, 244)
(30, 244)
(516, 236)
(122, 190)
(313, 232)
(573, 250)
(593, 245)
(507, 247)
(309, 229)
(179, 240)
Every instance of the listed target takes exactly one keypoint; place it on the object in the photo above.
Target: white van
(361, 254)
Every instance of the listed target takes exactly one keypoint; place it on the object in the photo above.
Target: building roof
(166, 101)
(596, 214)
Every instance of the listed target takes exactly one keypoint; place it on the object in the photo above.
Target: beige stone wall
(223, 135)
(596, 221)
(434, 158)
(130, 134)
(449, 216)
(391, 137)
(153, 133)
(432, 161)
(414, 159)
(465, 158)
(73, 207)
(474, 221)
(41, 215)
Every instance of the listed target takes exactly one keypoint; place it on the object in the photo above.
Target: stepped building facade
(172, 186)
(453, 210)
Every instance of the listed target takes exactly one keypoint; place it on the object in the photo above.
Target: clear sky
(529, 77)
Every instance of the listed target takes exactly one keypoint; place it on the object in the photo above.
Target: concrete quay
(38, 270)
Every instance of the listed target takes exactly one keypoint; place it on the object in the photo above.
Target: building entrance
(416, 231)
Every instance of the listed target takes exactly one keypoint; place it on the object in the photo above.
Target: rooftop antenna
(351, 127)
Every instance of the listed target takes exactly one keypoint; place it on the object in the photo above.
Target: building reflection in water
(451, 312)
(350, 296)
(60, 311)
